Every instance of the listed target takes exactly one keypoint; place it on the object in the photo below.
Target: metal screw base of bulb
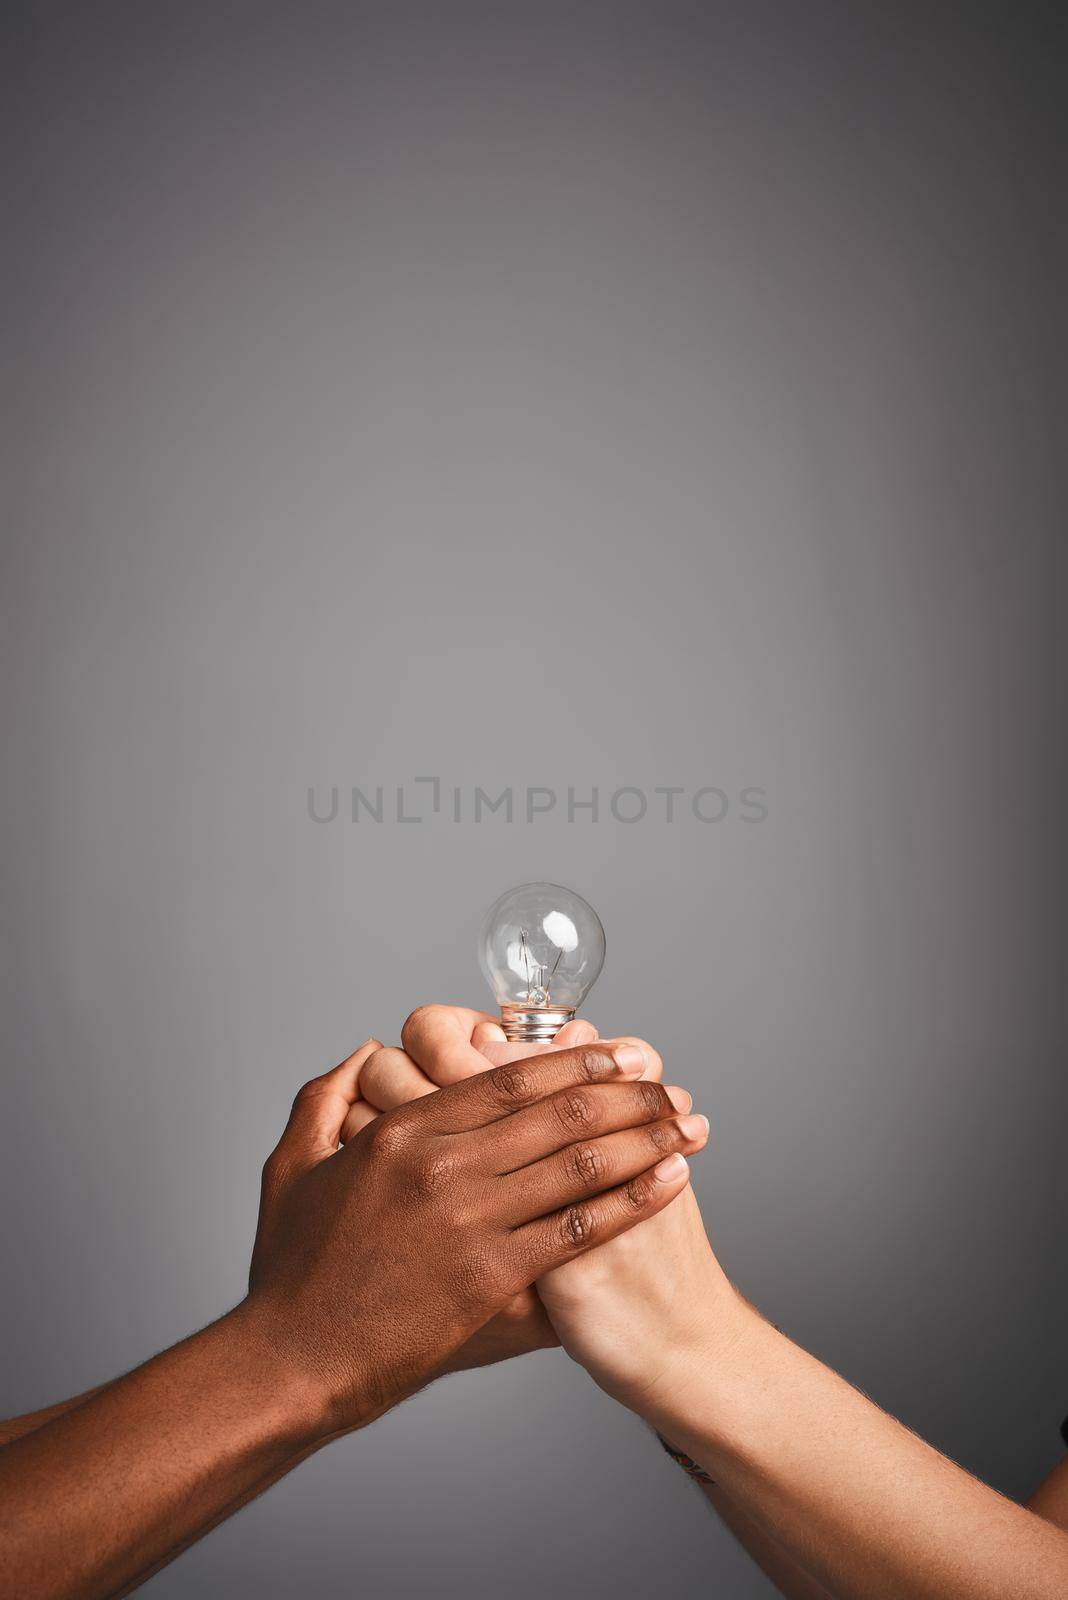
(534, 1024)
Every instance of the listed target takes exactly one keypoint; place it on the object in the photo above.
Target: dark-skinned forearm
(12, 1428)
(132, 1476)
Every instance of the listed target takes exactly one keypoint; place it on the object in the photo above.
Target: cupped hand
(375, 1262)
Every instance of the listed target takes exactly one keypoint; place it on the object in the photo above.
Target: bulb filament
(539, 976)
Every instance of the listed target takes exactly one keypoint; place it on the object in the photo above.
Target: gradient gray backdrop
(588, 394)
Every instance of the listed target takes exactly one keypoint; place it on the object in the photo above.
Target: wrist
(698, 1354)
(301, 1397)
(701, 1399)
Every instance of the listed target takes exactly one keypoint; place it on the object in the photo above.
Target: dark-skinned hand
(375, 1263)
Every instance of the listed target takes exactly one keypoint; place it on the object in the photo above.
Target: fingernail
(693, 1128)
(681, 1099)
(670, 1169)
(628, 1058)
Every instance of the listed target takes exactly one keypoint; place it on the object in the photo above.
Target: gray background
(537, 394)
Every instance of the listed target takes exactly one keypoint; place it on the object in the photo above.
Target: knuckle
(594, 1064)
(664, 1136)
(636, 1194)
(587, 1163)
(387, 1136)
(513, 1084)
(651, 1098)
(462, 1218)
(370, 1064)
(434, 1171)
(576, 1226)
(373, 1072)
(308, 1093)
(417, 1022)
(574, 1109)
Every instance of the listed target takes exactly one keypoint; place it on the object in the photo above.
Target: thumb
(487, 1033)
(313, 1131)
(577, 1031)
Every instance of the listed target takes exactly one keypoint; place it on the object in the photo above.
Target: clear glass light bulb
(541, 949)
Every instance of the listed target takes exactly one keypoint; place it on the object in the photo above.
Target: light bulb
(541, 949)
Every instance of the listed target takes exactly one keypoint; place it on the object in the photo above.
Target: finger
(586, 1169)
(499, 1055)
(391, 1078)
(438, 1039)
(358, 1117)
(498, 1050)
(654, 1064)
(491, 1095)
(314, 1127)
(446, 1042)
(572, 1033)
(490, 1039)
(487, 1033)
(432, 1039)
(538, 1247)
(577, 1031)
(579, 1113)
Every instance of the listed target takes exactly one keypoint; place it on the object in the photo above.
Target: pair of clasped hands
(461, 1200)
(464, 1199)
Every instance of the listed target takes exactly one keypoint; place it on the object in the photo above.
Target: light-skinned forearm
(850, 1495)
(132, 1475)
(782, 1568)
(1049, 1501)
